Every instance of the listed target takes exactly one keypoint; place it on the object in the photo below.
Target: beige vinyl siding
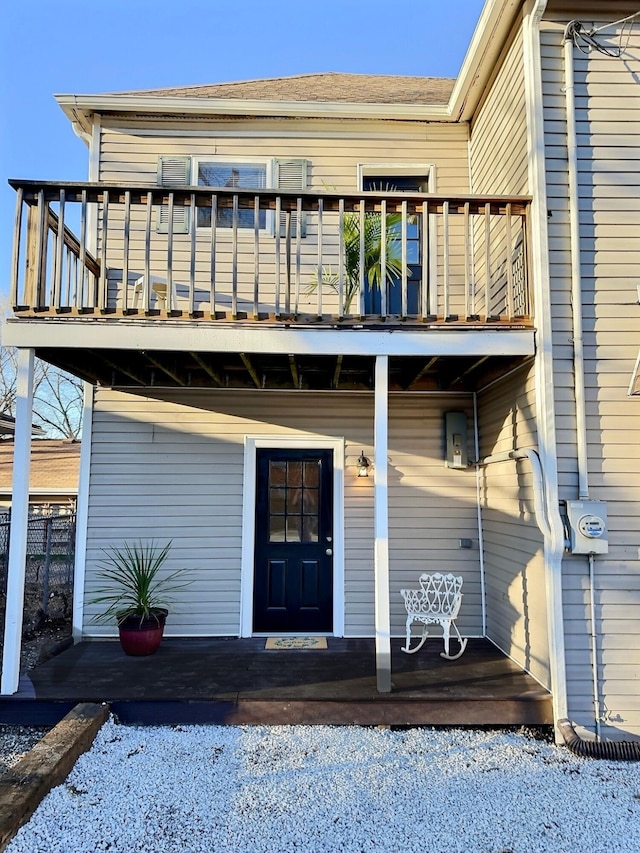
(498, 157)
(129, 153)
(608, 121)
(498, 142)
(169, 465)
(513, 543)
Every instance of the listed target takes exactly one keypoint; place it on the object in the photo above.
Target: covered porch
(237, 681)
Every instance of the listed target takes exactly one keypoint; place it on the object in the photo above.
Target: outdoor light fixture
(363, 465)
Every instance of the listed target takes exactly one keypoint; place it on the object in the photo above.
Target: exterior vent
(174, 172)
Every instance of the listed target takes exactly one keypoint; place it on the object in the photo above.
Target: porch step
(238, 682)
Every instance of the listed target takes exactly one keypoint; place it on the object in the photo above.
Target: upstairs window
(231, 175)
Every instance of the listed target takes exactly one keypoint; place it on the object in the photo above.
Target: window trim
(267, 162)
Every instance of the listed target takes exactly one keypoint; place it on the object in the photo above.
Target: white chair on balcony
(436, 602)
(158, 287)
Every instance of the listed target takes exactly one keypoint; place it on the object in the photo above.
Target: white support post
(19, 524)
(82, 513)
(381, 526)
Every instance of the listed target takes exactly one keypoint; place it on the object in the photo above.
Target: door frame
(299, 441)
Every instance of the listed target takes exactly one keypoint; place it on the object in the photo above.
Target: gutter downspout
(539, 493)
(576, 280)
(578, 343)
(544, 378)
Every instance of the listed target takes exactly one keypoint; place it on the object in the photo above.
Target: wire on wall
(587, 42)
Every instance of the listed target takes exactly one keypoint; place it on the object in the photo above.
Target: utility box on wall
(455, 430)
(588, 532)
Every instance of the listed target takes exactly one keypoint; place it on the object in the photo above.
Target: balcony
(86, 250)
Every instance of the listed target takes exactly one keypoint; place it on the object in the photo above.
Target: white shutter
(174, 172)
(291, 175)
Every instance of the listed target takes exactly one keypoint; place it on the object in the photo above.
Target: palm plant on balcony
(136, 593)
(374, 275)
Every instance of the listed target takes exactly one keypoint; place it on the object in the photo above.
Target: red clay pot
(139, 637)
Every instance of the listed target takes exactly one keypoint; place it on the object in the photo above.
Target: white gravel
(276, 789)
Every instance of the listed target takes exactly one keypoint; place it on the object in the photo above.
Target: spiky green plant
(373, 273)
(132, 583)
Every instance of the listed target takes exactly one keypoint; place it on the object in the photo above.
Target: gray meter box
(588, 529)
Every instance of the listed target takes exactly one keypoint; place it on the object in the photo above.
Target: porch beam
(19, 525)
(162, 337)
(172, 374)
(250, 369)
(381, 526)
(422, 372)
(295, 376)
(213, 374)
(336, 375)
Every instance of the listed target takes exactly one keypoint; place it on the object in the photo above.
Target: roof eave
(80, 108)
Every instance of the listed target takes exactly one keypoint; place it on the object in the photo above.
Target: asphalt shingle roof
(328, 87)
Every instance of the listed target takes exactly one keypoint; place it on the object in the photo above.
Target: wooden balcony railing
(232, 254)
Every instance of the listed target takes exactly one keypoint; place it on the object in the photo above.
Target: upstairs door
(373, 303)
(293, 567)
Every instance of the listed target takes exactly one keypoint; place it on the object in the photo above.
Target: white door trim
(300, 441)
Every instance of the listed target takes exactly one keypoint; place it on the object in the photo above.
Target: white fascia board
(79, 108)
(486, 44)
(193, 336)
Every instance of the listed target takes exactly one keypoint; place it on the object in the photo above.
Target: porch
(236, 681)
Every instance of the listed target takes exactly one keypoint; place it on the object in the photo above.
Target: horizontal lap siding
(498, 145)
(608, 124)
(513, 543)
(513, 553)
(431, 507)
(169, 465)
(129, 153)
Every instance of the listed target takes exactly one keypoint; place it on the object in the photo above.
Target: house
(214, 284)
(55, 468)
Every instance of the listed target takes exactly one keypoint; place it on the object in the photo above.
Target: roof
(330, 87)
(8, 426)
(55, 466)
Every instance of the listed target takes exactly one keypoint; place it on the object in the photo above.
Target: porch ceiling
(277, 371)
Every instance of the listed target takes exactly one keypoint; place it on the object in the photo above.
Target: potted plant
(137, 594)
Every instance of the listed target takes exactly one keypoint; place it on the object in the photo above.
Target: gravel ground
(15, 741)
(316, 789)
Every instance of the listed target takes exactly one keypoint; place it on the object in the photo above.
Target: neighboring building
(53, 482)
(231, 397)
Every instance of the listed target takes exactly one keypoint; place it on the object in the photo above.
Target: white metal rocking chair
(436, 602)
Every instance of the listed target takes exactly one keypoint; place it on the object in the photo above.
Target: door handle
(328, 552)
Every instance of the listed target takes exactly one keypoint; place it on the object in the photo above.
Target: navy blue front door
(293, 571)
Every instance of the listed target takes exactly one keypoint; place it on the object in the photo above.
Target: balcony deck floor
(236, 681)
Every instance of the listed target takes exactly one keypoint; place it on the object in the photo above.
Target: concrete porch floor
(236, 681)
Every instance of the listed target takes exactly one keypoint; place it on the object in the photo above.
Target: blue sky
(52, 47)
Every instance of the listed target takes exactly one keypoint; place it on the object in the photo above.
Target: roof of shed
(55, 465)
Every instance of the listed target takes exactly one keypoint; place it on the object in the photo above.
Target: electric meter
(588, 527)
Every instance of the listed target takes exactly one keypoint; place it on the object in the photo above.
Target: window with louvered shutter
(174, 172)
(226, 174)
(292, 175)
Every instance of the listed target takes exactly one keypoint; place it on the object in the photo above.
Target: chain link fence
(50, 554)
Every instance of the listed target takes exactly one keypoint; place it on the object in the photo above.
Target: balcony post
(381, 526)
(19, 525)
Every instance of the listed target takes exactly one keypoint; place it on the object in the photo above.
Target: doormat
(275, 643)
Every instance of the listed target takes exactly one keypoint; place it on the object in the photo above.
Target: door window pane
(294, 500)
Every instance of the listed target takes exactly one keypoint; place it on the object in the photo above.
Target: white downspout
(576, 280)
(545, 406)
(578, 343)
(483, 587)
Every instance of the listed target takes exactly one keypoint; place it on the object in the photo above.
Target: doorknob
(328, 552)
